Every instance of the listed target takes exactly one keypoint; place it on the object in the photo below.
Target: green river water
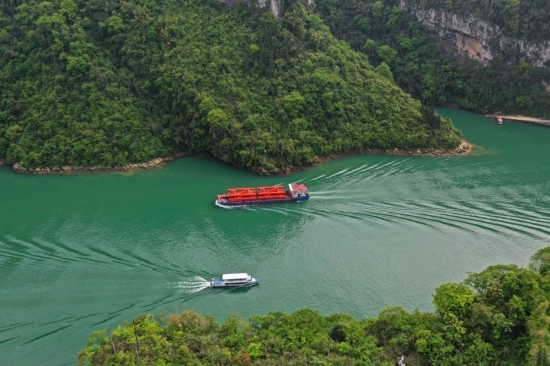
(84, 252)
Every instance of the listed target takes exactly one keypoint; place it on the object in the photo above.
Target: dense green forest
(496, 317)
(422, 65)
(107, 82)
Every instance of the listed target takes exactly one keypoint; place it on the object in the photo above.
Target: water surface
(84, 252)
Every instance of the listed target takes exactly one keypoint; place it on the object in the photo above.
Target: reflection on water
(84, 252)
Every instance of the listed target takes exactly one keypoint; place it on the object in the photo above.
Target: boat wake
(230, 207)
(192, 285)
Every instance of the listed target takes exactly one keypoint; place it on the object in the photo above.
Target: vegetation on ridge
(496, 317)
(105, 82)
(423, 66)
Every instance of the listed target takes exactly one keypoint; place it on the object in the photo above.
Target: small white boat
(234, 280)
(499, 120)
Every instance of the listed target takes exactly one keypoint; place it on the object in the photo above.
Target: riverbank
(151, 164)
(520, 118)
(464, 148)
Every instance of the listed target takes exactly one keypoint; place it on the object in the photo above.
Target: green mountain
(482, 55)
(496, 317)
(104, 82)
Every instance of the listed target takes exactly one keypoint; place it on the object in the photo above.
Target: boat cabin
(236, 278)
(298, 190)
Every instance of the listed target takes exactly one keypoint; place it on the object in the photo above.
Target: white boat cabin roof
(235, 276)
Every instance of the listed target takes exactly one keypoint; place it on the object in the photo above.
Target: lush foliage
(496, 317)
(106, 82)
(423, 67)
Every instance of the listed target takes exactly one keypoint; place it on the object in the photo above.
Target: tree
(539, 353)
(540, 261)
(454, 299)
(293, 103)
(384, 70)
(387, 54)
(13, 132)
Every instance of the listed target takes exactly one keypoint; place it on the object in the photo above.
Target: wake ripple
(436, 215)
(191, 285)
(486, 211)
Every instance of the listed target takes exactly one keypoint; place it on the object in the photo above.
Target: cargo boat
(234, 280)
(263, 195)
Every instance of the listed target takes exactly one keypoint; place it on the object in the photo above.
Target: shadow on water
(241, 290)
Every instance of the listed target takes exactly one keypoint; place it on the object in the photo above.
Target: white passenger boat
(234, 280)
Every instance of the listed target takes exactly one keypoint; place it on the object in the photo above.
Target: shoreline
(520, 118)
(151, 164)
(464, 148)
(494, 115)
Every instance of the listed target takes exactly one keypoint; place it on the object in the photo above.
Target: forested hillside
(105, 82)
(422, 65)
(496, 317)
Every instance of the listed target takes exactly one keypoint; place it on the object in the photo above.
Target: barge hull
(261, 202)
(235, 285)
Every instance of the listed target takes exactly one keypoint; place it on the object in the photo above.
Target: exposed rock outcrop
(155, 163)
(463, 149)
(274, 5)
(478, 39)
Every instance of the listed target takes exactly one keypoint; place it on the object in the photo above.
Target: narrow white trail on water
(321, 176)
(192, 285)
(338, 173)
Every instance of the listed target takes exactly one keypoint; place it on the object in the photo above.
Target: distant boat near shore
(518, 118)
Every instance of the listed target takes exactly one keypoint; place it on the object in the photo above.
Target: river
(84, 252)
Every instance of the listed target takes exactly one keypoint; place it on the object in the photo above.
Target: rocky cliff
(477, 39)
(274, 5)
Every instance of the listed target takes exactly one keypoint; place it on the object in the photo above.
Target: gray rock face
(274, 5)
(155, 163)
(478, 39)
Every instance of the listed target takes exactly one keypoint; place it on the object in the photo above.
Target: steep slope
(484, 40)
(102, 82)
(520, 19)
(445, 53)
